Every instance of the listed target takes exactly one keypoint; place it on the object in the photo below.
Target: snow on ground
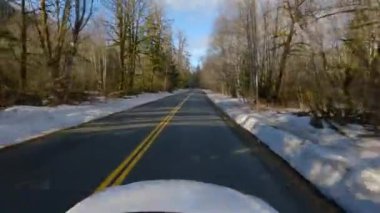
(20, 123)
(346, 168)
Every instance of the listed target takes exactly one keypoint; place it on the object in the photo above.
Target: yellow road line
(147, 141)
(129, 168)
(124, 163)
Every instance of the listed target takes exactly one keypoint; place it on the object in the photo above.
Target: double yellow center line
(125, 167)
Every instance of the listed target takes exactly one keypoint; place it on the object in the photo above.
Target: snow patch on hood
(171, 196)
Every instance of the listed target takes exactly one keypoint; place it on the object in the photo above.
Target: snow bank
(346, 168)
(20, 123)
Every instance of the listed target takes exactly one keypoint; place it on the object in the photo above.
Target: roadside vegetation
(321, 56)
(65, 51)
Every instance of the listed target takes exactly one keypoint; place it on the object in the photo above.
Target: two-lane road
(179, 137)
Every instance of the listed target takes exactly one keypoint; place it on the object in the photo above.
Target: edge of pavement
(266, 154)
(47, 133)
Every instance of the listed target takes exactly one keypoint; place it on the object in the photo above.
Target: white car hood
(170, 196)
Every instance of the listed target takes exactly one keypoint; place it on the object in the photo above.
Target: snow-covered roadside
(20, 123)
(344, 168)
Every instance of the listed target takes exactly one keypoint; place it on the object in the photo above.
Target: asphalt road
(195, 142)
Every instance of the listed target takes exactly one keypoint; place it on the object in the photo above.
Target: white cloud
(198, 47)
(201, 42)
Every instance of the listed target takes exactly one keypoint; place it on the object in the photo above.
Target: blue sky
(195, 18)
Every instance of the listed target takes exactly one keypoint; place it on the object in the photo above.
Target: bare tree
(119, 27)
(67, 60)
(322, 54)
(129, 17)
(82, 12)
(252, 40)
(53, 43)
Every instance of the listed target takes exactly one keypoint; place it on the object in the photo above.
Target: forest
(319, 55)
(65, 51)
(322, 56)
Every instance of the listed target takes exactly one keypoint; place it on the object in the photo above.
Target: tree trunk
(69, 62)
(56, 86)
(122, 67)
(23, 62)
(131, 80)
(283, 61)
(166, 78)
(105, 74)
(152, 81)
(131, 71)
